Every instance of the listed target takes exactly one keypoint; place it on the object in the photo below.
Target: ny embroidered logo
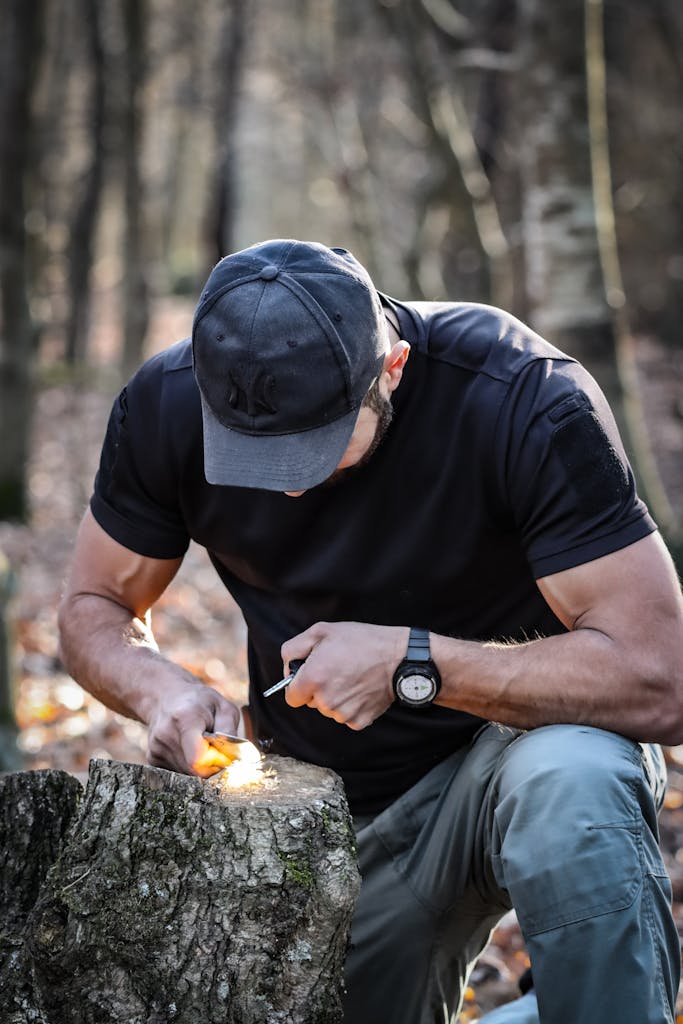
(252, 392)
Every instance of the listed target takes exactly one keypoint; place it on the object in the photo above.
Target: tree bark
(35, 811)
(175, 899)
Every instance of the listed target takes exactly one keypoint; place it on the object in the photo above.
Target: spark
(243, 775)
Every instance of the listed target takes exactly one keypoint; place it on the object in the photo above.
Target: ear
(394, 361)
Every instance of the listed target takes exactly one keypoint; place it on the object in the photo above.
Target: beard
(385, 412)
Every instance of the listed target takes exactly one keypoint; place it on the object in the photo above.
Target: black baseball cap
(287, 338)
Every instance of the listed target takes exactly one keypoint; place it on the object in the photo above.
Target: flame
(243, 774)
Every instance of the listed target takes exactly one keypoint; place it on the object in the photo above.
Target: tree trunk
(573, 283)
(186, 52)
(471, 224)
(625, 349)
(19, 48)
(84, 220)
(175, 899)
(564, 275)
(219, 217)
(135, 286)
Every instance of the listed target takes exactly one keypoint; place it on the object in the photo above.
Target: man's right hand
(175, 738)
(108, 647)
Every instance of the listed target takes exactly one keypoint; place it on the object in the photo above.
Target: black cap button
(269, 272)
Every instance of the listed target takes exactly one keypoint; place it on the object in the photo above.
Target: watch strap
(418, 645)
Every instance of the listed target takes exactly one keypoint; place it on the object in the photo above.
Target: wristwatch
(417, 680)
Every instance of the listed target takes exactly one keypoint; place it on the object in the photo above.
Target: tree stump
(176, 900)
(36, 809)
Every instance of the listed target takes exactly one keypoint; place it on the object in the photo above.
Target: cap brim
(275, 462)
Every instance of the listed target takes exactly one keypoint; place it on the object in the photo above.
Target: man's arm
(108, 646)
(619, 667)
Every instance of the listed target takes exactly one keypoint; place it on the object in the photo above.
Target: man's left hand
(348, 670)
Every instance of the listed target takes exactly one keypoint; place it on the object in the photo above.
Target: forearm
(582, 677)
(113, 655)
(108, 647)
(618, 666)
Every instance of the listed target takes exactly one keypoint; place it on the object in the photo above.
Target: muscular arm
(619, 667)
(108, 646)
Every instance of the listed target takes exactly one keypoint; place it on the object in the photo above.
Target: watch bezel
(417, 668)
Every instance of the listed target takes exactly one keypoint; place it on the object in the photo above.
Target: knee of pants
(570, 837)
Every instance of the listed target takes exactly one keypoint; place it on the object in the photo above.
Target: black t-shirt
(502, 465)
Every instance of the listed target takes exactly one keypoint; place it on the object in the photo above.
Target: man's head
(288, 338)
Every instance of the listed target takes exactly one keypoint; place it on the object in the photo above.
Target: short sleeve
(567, 482)
(135, 494)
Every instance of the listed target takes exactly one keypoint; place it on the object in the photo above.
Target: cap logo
(251, 392)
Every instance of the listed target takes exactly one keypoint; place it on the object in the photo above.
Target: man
(450, 541)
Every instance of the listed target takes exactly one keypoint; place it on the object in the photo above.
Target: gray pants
(560, 823)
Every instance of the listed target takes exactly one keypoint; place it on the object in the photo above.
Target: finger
(195, 749)
(161, 754)
(246, 721)
(358, 724)
(226, 718)
(292, 664)
(301, 645)
(210, 761)
(317, 702)
(202, 758)
(299, 693)
(351, 716)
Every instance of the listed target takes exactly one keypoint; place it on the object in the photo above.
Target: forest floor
(196, 622)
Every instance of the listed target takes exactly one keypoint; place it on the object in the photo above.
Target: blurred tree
(573, 273)
(180, 61)
(20, 43)
(646, 143)
(135, 287)
(56, 147)
(88, 194)
(219, 215)
(564, 275)
(10, 759)
(610, 261)
(669, 18)
(433, 35)
(343, 123)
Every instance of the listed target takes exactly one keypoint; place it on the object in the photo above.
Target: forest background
(518, 152)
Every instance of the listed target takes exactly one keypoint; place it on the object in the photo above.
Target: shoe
(519, 1011)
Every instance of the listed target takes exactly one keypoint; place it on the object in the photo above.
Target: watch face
(416, 688)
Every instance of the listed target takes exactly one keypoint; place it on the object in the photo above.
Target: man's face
(372, 424)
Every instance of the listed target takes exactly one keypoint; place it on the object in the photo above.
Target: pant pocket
(598, 874)
(568, 827)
